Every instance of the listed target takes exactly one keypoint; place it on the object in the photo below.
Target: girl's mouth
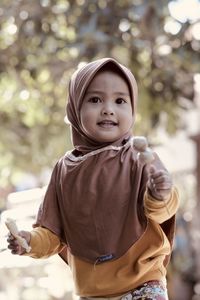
(107, 123)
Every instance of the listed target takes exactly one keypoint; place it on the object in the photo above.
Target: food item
(140, 143)
(12, 227)
(146, 157)
(145, 154)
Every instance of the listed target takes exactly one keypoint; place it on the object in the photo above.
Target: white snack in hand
(140, 143)
(12, 227)
(146, 157)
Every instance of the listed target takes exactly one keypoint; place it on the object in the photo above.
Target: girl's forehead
(108, 78)
(84, 78)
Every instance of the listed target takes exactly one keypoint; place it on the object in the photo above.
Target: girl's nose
(107, 110)
(107, 113)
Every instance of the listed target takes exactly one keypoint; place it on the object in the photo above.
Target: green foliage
(42, 42)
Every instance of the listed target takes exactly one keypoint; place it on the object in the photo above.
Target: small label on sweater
(106, 257)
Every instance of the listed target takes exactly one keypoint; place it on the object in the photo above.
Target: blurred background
(42, 42)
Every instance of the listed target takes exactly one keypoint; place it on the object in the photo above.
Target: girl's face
(106, 112)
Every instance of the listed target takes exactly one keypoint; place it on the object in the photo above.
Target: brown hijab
(79, 82)
(94, 201)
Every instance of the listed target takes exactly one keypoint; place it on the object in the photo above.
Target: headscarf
(94, 202)
(78, 84)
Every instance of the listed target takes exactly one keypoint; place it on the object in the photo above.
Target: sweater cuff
(43, 243)
(161, 210)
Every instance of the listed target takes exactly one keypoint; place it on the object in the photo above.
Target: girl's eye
(120, 101)
(95, 100)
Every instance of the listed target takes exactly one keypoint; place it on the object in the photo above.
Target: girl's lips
(107, 124)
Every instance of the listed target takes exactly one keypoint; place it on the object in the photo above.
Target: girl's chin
(107, 139)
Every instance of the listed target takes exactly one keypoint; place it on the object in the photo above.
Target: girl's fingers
(160, 179)
(160, 187)
(12, 241)
(162, 184)
(12, 244)
(15, 249)
(159, 174)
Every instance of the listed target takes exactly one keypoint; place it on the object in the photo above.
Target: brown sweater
(142, 262)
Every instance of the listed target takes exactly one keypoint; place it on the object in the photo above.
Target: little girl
(107, 214)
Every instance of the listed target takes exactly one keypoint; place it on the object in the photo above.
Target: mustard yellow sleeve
(44, 243)
(161, 210)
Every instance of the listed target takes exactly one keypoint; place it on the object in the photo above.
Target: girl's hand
(13, 244)
(159, 183)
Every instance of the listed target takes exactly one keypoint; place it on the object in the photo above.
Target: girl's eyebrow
(101, 92)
